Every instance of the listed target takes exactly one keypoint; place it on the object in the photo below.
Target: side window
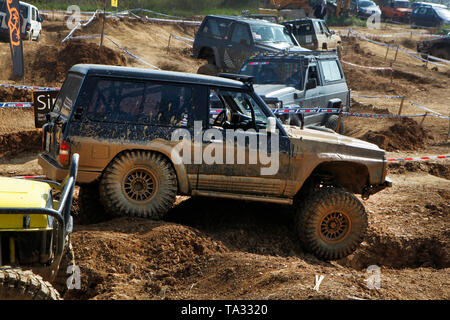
(313, 74)
(140, 102)
(34, 17)
(216, 28)
(318, 27)
(331, 71)
(240, 34)
(423, 10)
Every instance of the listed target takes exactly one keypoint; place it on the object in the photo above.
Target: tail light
(28, 27)
(64, 148)
(316, 44)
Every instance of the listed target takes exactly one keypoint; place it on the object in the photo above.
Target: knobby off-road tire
(139, 184)
(208, 69)
(331, 223)
(91, 209)
(332, 122)
(68, 259)
(17, 284)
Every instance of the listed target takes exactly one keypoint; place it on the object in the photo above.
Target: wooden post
(338, 125)
(392, 73)
(168, 45)
(410, 35)
(401, 105)
(103, 28)
(387, 51)
(426, 63)
(423, 119)
(396, 52)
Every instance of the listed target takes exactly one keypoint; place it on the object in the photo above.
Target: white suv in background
(30, 21)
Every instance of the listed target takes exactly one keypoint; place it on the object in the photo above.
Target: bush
(345, 21)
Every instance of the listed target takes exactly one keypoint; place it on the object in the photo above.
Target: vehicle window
(331, 71)
(324, 27)
(68, 94)
(365, 4)
(240, 34)
(23, 11)
(140, 102)
(303, 29)
(423, 10)
(2, 6)
(401, 4)
(34, 18)
(234, 102)
(416, 10)
(313, 74)
(216, 28)
(318, 27)
(269, 33)
(275, 72)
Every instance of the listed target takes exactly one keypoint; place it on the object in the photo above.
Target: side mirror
(312, 83)
(271, 124)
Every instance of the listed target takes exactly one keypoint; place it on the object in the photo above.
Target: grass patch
(345, 21)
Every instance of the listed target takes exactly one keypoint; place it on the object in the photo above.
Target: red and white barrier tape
(418, 158)
(28, 87)
(367, 67)
(16, 105)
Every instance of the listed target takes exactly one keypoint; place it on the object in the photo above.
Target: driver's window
(227, 106)
(313, 74)
(240, 34)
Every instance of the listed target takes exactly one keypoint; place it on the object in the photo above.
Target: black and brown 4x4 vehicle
(227, 41)
(126, 124)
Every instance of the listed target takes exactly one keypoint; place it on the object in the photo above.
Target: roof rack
(295, 54)
(239, 77)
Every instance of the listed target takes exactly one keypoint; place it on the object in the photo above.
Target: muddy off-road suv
(307, 80)
(227, 41)
(145, 136)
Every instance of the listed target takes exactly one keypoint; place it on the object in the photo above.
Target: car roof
(244, 19)
(158, 75)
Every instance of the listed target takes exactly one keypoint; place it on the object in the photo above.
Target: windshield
(401, 4)
(275, 72)
(443, 13)
(270, 34)
(365, 4)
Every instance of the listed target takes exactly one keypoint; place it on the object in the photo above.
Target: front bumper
(372, 189)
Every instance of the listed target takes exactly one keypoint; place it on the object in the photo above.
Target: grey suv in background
(227, 41)
(308, 80)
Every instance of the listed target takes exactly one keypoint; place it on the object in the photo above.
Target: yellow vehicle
(35, 236)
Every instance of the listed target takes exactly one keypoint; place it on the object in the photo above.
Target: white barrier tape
(16, 105)
(378, 97)
(156, 13)
(439, 115)
(182, 39)
(418, 158)
(367, 67)
(28, 87)
(393, 35)
(375, 115)
(31, 177)
(132, 55)
(80, 25)
(197, 23)
(410, 53)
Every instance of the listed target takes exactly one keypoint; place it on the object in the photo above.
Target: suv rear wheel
(331, 223)
(139, 183)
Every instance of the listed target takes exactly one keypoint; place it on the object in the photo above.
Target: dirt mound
(51, 64)
(153, 255)
(367, 108)
(15, 143)
(404, 135)
(15, 95)
(435, 169)
(399, 252)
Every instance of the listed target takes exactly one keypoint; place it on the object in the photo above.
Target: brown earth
(221, 249)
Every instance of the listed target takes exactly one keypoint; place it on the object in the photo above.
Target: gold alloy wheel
(335, 227)
(139, 185)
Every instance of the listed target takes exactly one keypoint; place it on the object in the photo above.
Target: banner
(114, 3)
(43, 102)
(15, 40)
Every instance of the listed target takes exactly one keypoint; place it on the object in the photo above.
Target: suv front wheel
(331, 223)
(139, 184)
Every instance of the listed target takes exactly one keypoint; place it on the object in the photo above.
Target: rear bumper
(55, 172)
